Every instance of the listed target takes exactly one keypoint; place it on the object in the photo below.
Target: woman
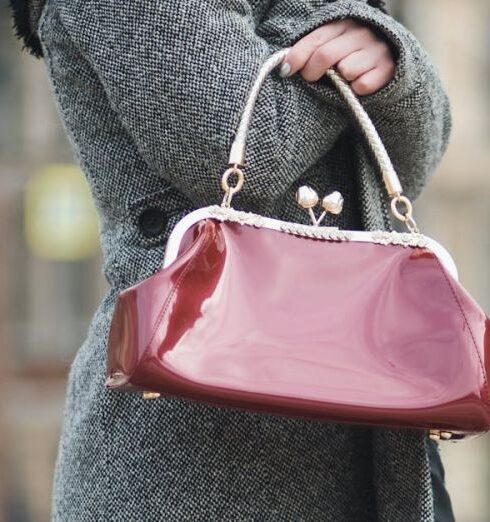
(150, 93)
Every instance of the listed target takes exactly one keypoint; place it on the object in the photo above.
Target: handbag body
(249, 312)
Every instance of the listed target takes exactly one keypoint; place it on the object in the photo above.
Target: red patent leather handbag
(309, 321)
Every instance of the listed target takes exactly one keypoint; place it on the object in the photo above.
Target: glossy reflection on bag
(308, 321)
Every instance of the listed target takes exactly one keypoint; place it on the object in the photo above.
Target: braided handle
(390, 177)
(237, 153)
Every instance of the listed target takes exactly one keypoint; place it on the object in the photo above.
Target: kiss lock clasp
(308, 199)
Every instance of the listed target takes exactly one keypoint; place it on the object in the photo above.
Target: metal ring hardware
(230, 191)
(406, 217)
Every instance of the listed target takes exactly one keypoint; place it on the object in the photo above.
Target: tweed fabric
(150, 94)
(26, 14)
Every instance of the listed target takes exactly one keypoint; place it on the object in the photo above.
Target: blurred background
(50, 271)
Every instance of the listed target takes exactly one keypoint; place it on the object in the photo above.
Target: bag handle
(390, 177)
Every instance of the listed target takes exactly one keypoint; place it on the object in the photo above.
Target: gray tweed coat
(150, 93)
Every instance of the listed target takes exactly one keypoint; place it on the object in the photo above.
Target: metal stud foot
(147, 395)
(438, 435)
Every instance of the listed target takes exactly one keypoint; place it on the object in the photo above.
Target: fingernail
(284, 70)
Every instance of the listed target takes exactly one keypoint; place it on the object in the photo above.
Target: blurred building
(455, 209)
(46, 304)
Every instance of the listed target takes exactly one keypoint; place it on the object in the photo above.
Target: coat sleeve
(412, 113)
(178, 74)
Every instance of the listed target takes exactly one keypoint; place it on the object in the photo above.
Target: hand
(360, 56)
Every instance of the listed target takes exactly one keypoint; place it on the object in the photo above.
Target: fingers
(330, 53)
(360, 62)
(374, 79)
(301, 51)
(361, 57)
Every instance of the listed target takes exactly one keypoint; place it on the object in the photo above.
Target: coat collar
(26, 14)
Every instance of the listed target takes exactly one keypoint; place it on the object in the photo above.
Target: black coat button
(152, 221)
